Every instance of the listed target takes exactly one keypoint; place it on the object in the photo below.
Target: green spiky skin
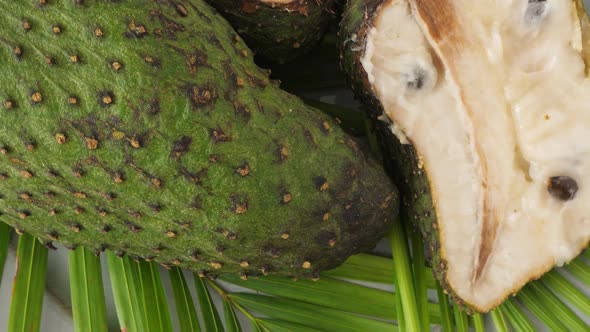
(144, 127)
(400, 160)
(278, 32)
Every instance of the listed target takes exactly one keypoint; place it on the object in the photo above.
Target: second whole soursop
(278, 30)
(144, 127)
(489, 103)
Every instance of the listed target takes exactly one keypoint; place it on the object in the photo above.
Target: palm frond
(86, 288)
(5, 232)
(126, 293)
(29, 286)
(185, 307)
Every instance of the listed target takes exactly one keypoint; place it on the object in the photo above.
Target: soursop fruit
(278, 30)
(144, 127)
(486, 115)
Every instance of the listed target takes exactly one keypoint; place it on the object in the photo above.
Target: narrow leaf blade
(125, 285)
(516, 316)
(185, 307)
(499, 320)
(86, 287)
(309, 315)
(209, 313)
(231, 321)
(403, 274)
(5, 231)
(29, 286)
(445, 310)
(155, 305)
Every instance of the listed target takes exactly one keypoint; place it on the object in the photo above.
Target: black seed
(120, 253)
(416, 79)
(563, 188)
(535, 11)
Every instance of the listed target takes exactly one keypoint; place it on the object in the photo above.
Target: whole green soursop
(143, 127)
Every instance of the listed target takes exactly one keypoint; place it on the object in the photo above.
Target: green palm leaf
(88, 302)
(5, 231)
(126, 292)
(185, 307)
(209, 313)
(29, 286)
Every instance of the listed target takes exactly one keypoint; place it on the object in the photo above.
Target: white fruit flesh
(494, 97)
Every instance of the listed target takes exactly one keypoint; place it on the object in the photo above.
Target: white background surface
(56, 306)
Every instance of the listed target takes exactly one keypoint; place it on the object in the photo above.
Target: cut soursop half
(490, 104)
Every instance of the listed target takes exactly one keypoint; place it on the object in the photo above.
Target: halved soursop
(144, 127)
(278, 30)
(490, 104)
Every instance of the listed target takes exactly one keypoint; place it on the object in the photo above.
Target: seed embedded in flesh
(535, 10)
(563, 188)
(416, 80)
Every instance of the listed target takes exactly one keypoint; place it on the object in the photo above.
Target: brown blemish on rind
(36, 97)
(181, 10)
(26, 173)
(286, 197)
(73, 100)
(9, 104)
(217, 135)
(202, 96)
(116, 65)
(283, 153)
(60, 138)
(243, 170)
(321, 183)
(106, 98)
(27, 25)
(239, 203)
(98, 32)
(91, 143)
(216, 265)
(181, 146)
(135, 30)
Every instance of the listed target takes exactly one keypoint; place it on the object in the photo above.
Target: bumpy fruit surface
(484, 108)
(278, 30)
(143, 127)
